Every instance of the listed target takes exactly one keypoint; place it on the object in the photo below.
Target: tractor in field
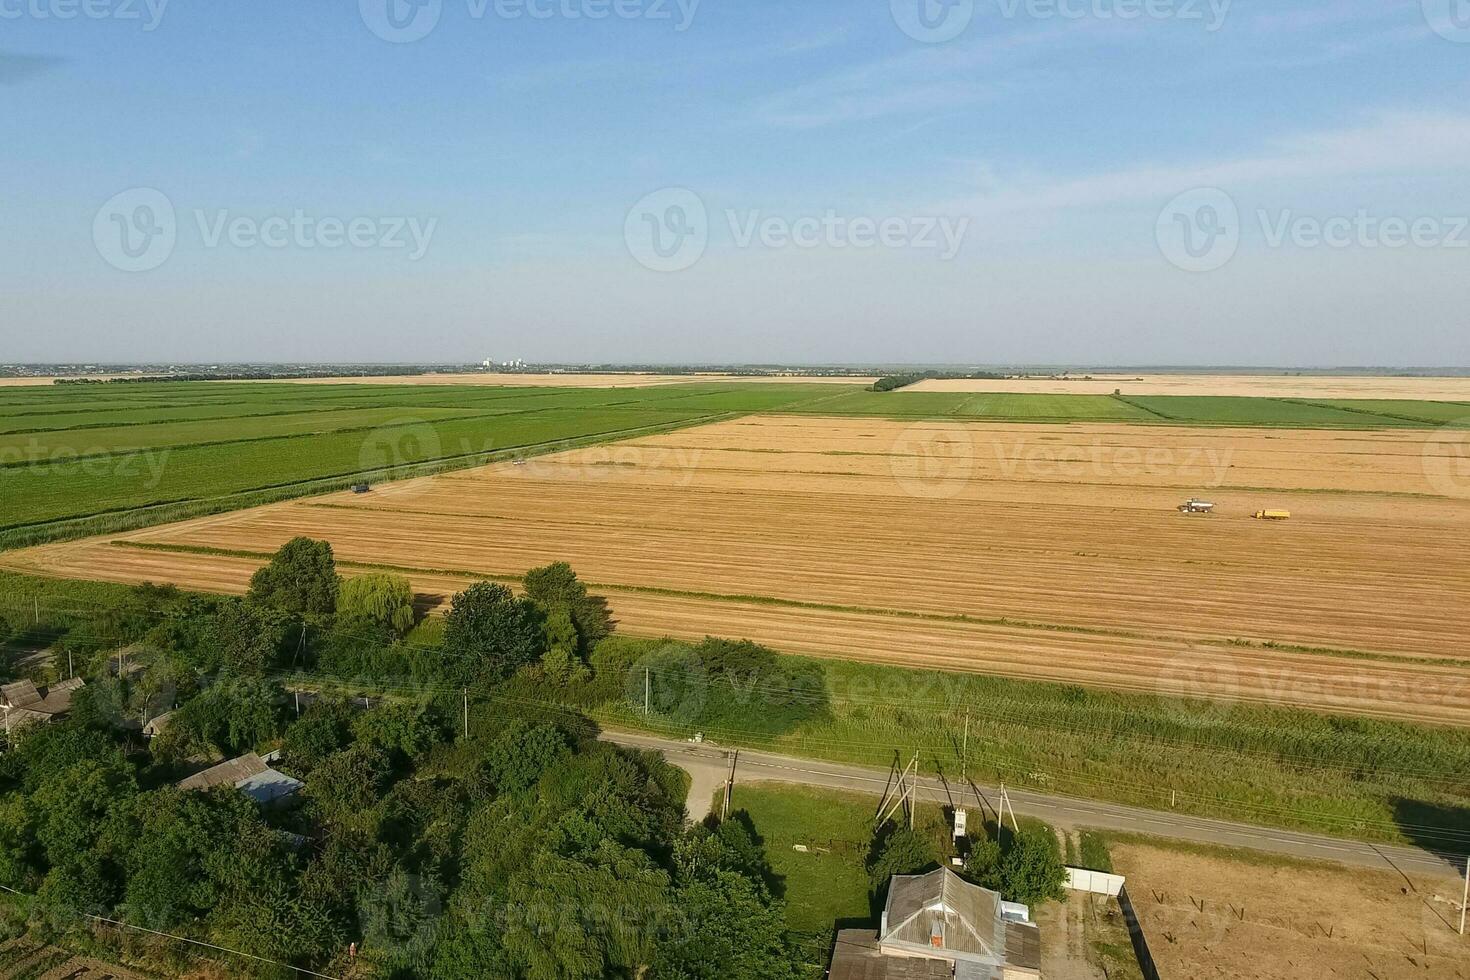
(1196, 506)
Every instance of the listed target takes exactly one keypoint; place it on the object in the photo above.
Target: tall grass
(1272, 766)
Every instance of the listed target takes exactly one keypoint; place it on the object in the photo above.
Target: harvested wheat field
(571, 380)
(1037, 551)
(1257, 386)
(1210, 914)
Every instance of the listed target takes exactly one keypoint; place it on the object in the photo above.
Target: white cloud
(1390, 144)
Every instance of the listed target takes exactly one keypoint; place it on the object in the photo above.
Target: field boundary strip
(804, 604)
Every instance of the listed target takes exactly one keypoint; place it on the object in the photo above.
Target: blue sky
(1056, 134)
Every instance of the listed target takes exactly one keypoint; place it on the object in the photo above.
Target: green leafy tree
(19, 848)
(228, 718)
(516, 760)
(347, 786)
(325, 728)
(72, 808)
(168, 838)
(562, 662)
(898, 851)
(300, 579)
(381, 599)
(244, 639)
(727, 929)
(489, 633)
(1026, 868)
(402, 731)
(556, 586)
(399, 918)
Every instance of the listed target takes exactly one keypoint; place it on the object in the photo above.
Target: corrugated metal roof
(1023, 945)
(268, 786)
(20, 694)
(942, 911)
(857, 957)
(226, 773)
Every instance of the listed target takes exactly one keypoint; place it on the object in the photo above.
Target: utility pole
(729, 787)
(38, 609)
(298, 703)
(69, 674)
(965, 751)
(466, 712)
(1466, 896)
(647, 692)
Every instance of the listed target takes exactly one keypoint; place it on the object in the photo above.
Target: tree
(515, 761)
(556, 586)
(561, 662)
(402, 731)
(1026, 868)
(325, 728)
(348, 786)
(227, 719)
(245, 639)
(301, 579)
(489, 633)
(898, 851)
(71, 809)
(19, 857)
(381, 599)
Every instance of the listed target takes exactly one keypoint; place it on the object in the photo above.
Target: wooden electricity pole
(1466, 896)
(729, 786)
(965, 750)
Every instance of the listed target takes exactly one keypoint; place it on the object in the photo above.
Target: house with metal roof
(250, 774)
(26, 704)
(938, 925)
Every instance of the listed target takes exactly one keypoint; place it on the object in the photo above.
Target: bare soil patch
(1209, 915)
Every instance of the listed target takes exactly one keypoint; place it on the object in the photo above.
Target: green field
(1456, 414)
(1230, 410)
(82, 459)
(77, 460)
(969, 405)
(1286, 767)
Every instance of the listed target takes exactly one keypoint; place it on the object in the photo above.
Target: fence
(1096, 882)
(1135, 933)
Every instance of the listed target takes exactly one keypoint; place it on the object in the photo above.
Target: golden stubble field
(1245, 385)
(1037, 551)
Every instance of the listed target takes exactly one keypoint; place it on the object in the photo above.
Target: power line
(186, 939)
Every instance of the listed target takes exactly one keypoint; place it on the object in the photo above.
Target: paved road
(708, 765)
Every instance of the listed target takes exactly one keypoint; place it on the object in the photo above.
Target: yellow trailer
(1273, 515)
